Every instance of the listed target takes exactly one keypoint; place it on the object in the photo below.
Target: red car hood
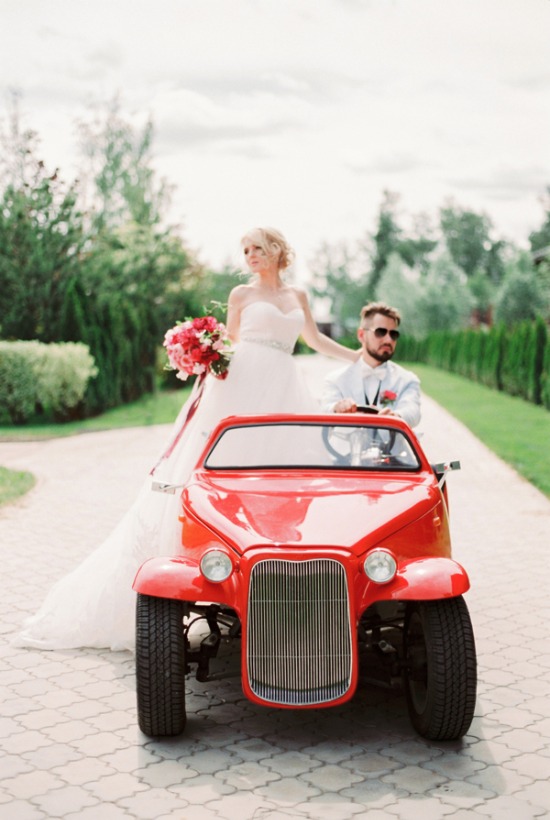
(345, 511)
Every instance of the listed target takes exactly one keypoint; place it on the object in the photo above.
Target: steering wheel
(391, 434)
(368, 408)
(360, 446)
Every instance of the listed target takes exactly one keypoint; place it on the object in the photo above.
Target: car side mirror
(163, 487)
(442, 468)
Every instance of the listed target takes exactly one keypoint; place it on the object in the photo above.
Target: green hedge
(515, 360)
(48, 378)
(122, 338)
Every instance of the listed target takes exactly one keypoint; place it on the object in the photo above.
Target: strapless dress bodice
(264, 323)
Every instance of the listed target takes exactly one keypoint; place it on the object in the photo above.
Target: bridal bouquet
(197, 347)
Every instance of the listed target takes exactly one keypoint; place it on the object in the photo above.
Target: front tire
(160, 666)
(440, 668)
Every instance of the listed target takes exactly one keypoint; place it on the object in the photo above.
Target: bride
(94, 606)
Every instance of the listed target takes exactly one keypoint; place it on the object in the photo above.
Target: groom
(373, 379)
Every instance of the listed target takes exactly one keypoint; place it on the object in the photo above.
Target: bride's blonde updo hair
(273, 244)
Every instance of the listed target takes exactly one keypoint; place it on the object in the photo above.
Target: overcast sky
(299, 113)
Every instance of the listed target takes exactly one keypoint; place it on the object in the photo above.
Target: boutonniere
(388, 397)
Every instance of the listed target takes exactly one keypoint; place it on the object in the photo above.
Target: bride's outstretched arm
(313, 337)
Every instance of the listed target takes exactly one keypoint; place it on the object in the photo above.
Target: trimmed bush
(40, 377)
(523, 360)
(63, 371)
(490, 367)
(18, 386)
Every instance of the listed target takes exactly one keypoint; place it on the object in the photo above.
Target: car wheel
(440, 668)
(160, 666)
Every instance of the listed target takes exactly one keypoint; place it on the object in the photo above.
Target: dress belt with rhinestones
(284, 348)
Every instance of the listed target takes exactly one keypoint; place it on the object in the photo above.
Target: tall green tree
(414, 247)
(445, 301)
(402, 287)
(135, 253)
(41, 239)
(140, 278)
(339, 287)
(386, 238)
(120, 182)
(522, 295)
(467, 236)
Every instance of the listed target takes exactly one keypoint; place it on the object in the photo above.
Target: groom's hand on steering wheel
(345, 406)
(350, 406)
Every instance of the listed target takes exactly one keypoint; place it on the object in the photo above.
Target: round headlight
(380, 566)
(216, 566)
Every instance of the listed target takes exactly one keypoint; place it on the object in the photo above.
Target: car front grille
(299, 645)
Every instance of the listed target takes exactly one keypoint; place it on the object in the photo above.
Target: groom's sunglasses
(380, 332)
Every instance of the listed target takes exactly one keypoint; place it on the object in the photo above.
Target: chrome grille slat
(299, 649)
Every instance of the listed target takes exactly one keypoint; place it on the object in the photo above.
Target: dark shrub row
(514, 359)
(122, 338)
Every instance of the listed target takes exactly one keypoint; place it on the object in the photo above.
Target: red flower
(208, 323)
(388, 397)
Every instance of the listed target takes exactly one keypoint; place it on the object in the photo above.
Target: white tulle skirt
(94, 606)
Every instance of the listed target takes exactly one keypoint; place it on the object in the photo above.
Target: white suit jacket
(347, 383)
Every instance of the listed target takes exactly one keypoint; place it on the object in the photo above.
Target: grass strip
(13, 484)
(516, 430)
(161, 407)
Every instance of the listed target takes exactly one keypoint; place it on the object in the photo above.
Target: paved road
(69, 744)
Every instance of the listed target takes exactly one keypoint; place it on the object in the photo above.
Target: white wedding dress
(94, 606)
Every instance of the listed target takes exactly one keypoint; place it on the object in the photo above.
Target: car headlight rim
(216, 566)
(380, 566)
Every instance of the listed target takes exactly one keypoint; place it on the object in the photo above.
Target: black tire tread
(160, 666)
(453, 670)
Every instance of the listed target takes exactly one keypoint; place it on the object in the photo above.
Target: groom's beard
(381, 356)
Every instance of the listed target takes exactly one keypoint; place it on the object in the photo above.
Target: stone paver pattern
(70, 747)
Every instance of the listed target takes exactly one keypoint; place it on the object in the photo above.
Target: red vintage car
(308, 539)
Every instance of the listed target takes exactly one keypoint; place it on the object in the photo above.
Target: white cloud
(505, 183)
(393, 164)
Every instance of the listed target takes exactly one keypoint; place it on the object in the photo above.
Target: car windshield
(310, 445)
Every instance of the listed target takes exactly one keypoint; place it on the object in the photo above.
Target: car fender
(421, 579)
(181, 578)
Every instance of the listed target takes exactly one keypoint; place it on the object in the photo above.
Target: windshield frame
(334, 467)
